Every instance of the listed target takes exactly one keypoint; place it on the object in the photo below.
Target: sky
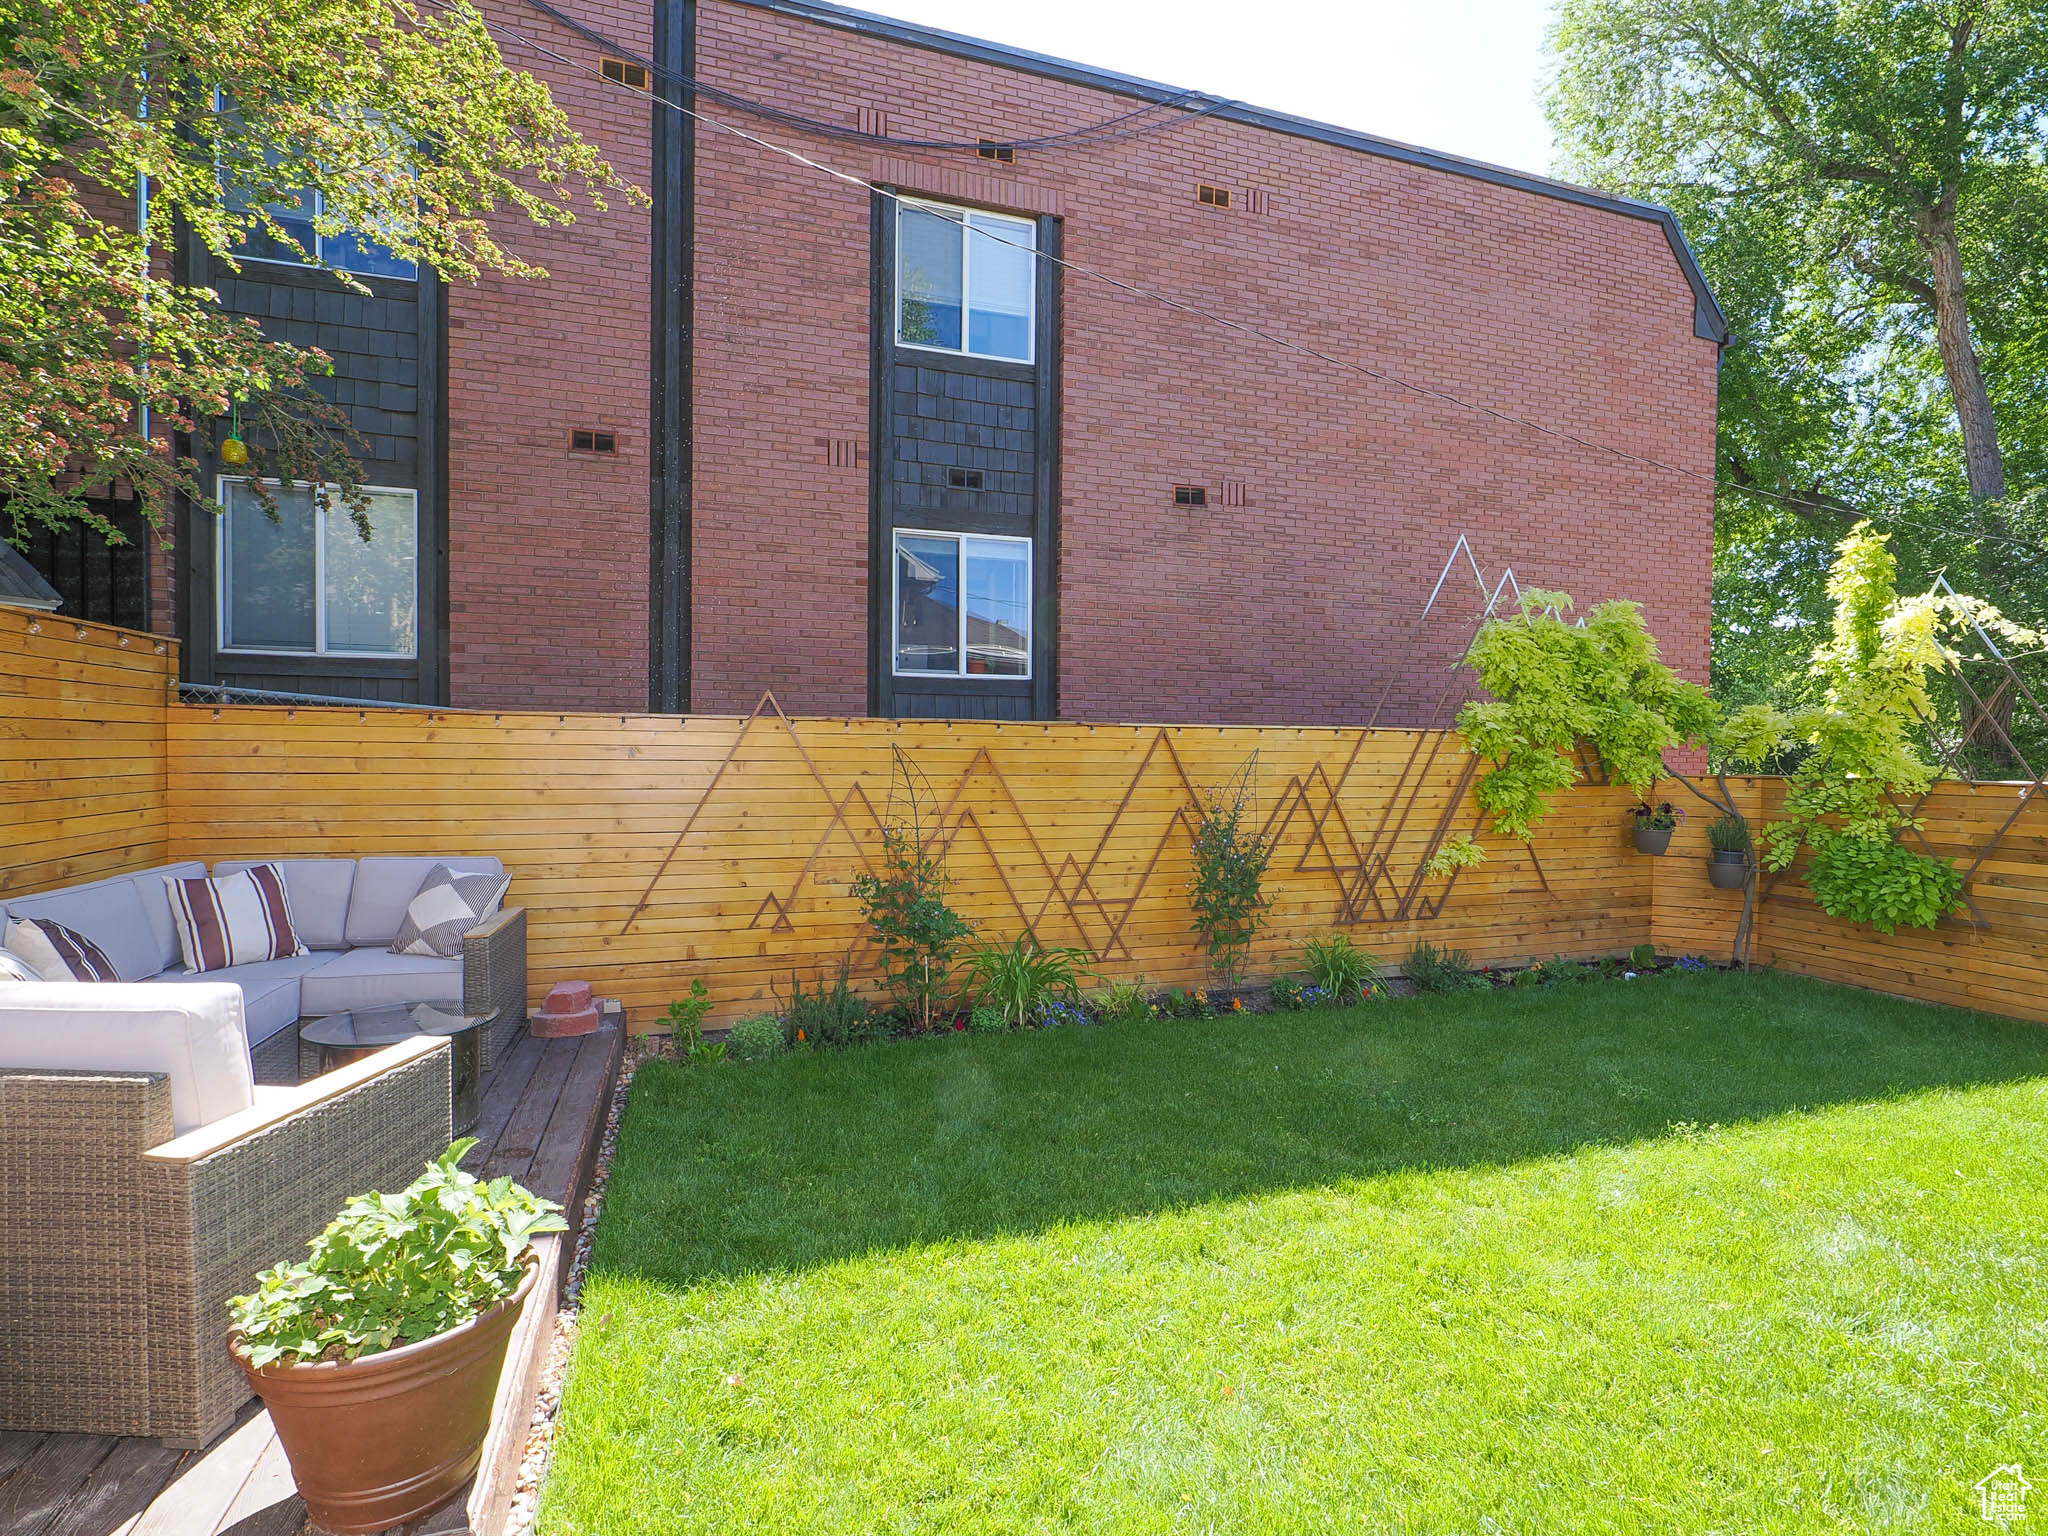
(1455, 75)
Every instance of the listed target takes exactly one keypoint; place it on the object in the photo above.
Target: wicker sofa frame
(121, 1243)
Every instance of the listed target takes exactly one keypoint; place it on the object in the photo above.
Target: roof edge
(1708, 322)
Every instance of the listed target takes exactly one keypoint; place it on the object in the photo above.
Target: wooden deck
(542, 1114)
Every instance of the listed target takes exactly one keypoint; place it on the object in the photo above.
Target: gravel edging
(540, 1434)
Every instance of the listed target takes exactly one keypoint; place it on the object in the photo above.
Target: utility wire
(1088, 134)
(1167, 301)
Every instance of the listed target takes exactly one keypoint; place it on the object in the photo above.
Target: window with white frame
(306, 582)
(966, 281)
(962, 605)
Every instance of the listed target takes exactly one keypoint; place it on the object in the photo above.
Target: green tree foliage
(1865, 184)
(1557, 684)
(402, 118)
(1857, 760)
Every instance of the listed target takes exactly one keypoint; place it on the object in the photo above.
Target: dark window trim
(193, 614)
(1042, 687)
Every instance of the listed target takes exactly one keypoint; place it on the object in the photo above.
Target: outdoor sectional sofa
(146, 1170)
(346, 912)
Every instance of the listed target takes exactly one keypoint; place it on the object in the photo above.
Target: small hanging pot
(1728, 869)
(232, 449)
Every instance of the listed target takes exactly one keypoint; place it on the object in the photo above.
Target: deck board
(539, 1118)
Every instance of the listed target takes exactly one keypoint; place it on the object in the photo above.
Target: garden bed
(1715, 1251)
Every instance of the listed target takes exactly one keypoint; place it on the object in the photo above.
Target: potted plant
(1728, 836)
(379, 1356)
(1654, 825)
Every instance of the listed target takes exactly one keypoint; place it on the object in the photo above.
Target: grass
(1698, 1254)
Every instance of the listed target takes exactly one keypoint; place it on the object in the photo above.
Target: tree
(1865, 185)
(232, 114)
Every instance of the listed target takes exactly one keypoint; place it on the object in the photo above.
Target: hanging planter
(1729, 867)
(1654, 825)
(1728, 871)
(232, 449)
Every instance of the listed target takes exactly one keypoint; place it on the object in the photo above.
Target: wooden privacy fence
(653, 849)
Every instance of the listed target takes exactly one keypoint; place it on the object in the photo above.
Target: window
(1212, 197)
(592, 440)
(937, 634)
(349, 251)
(990, 149)
(620, 72)
(306, 582)
(1191, 495)
(965, 281)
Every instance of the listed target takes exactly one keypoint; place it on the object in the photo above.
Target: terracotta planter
(1653, 840)
(1728, 870)
(385, 1439)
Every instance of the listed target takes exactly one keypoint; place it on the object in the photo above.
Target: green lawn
(1704, 1254)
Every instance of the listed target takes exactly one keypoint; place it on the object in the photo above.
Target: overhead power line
(1182, 306)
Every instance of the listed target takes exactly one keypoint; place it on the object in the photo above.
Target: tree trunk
(1983, 461)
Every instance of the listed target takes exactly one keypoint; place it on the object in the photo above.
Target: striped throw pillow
(57, 953)
(238, 919)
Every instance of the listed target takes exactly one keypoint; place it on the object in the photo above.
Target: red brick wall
(547, 550)
(1297, 606)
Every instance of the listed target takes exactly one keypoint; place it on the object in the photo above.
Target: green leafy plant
(1289, 994)
(1456, 852)
(1728, 834)
(686, 1021)
(1183, 1004)
(1015, 978)
(826, 1017)
(755, 1039)
(1121, 1002)
(1344, 972)
(1529, 976)
(985, 1020)
(1643, 956)
(904, 906)
(1430, 969)
(1226, 889)
(1558, 971)
(396, 1269)
(1556, 685)
(710, 1053)
(1860, 761)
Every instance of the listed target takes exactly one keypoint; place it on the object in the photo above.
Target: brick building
(876, 449)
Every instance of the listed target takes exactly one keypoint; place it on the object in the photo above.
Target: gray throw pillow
(447, 907)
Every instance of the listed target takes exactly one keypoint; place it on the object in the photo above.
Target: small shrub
(1229, 871)
(686, 1021)
(397, 1269)
(1643, 956)
(1015, 978)
(828, 1016)
(1344, 972)
(1528, 976)
(755, 1039)
(709, 1053)
(1430, 969)
(1728, 834)
(1183, 1004)
(1558, 971)
(1122, 1002)
(904, 906)
(987, 1021)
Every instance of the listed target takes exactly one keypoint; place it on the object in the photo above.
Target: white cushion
(270, 991)
(373, 978)
(12, 966)
(318, 890)
(385, 883)
(239, 919)
(156, 906)
(110, 913)
(192, 1034)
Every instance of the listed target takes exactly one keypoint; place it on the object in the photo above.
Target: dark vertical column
(1045, 563)
(669, 424)
(435, 684)
(881, 456)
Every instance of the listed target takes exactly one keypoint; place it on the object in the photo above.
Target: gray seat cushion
(109, 913)
(318, 890)
(374, 978)
(385, 883)
(270, 991)
(101, 908)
